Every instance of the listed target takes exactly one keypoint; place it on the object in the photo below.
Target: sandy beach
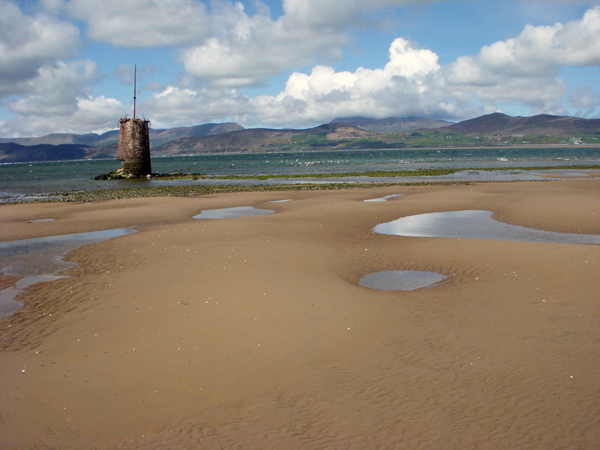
(254, 332)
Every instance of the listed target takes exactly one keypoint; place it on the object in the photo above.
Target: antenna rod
(134, 88)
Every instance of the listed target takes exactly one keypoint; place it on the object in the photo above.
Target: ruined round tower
(134, 147)
(134, 142)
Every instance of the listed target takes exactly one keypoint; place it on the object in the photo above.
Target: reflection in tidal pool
(40, 259)
(475, 225)
(401, 280)
(228, 213)
(384, 199)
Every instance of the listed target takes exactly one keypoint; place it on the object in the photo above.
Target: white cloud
(226, 45)
(60, 102)
(409, 85)
(177, 106)
(56, 88)
(244, 50)
(524, 70)
(52, 6)
(224, 48)
(578, 42)
(536, 52)
(28, 44)
(142, 23)
(90, 115)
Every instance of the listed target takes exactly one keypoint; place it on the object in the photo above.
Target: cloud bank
(523, 70)
(222, 48)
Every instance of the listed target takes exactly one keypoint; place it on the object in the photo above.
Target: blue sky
(67, 65)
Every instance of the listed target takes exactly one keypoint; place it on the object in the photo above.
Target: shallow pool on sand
(228, 213)
(401, 280)
(384, 199)
(40, 260)
(475, 224)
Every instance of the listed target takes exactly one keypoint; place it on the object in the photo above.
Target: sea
(29, 181)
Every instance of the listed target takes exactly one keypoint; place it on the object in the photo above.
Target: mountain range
(111, 138)
(349, 133)
(501, 124)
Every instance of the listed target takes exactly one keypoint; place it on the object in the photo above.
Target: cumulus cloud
(409, 85)
(55, 89)
(59, 101)
(28, 43)
(223, 48)
(524, 70)
(142, 23)
(184, 106)
(244, 50)
(537, 52)
(89, 115)
(226, 45)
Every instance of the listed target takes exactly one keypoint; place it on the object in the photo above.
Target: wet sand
(255, 333)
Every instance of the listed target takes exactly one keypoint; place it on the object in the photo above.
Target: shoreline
(255, 331)
(395, 179)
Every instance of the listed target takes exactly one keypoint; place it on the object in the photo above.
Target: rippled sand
(254, 332)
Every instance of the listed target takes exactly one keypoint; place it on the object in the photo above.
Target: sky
(67, 66)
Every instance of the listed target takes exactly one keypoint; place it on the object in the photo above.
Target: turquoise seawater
(28, 179)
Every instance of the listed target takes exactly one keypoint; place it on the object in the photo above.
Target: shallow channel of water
(41, 259)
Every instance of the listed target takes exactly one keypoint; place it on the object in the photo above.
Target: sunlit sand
(256, 332)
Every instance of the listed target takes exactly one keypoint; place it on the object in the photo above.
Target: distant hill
(12, 153)
(257, 139)
(159, 137)
(393, 125)
(361, 133)
(501, 124)
(111, 138)
(64, 138)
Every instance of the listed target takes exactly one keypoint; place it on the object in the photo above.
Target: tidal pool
(384, 199)
(475, 224)
(41, 259)
(401, 280)
(228, 213)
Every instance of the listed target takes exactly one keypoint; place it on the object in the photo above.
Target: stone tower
(134, 147)
(134, 143)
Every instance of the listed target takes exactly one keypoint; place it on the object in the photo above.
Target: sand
(254, 332)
